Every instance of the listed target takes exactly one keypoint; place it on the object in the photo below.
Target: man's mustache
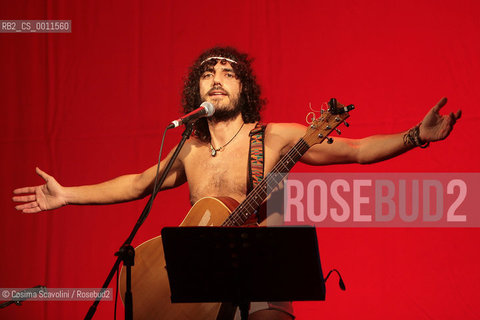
(218, 89)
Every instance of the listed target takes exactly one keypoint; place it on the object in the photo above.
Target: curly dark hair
(250, 101)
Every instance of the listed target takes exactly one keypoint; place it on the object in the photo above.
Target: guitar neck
(251, 204)
(318, 131)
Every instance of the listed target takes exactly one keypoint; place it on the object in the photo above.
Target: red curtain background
(90, 105)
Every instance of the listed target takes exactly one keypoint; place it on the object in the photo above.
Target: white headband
(218, 58)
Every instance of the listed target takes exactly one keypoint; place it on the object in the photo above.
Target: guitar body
(150, 286)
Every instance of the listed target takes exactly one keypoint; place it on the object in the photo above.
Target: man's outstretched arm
(53, 195)
(434, 127)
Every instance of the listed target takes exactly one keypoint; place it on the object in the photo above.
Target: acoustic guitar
(150, 286)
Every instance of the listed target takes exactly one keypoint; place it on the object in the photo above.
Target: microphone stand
(126, 253)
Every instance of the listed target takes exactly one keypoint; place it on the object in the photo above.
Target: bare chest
(226, 174)
(222, 175)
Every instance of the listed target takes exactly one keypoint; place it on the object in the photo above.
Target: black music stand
(243, 264)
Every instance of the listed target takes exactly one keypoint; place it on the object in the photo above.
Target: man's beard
(226, 112)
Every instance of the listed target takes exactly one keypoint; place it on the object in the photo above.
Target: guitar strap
(256, 163)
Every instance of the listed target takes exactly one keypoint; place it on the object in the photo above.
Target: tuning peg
(346, 123)
(338, 131)
(329, 140)
(332, 103)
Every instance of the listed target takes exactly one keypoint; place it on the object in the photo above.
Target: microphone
(206, 109)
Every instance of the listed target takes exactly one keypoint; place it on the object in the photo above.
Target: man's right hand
(48, 196)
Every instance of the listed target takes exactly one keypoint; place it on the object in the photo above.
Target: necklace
(213, 150)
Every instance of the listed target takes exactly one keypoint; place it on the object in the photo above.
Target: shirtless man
(215, 160)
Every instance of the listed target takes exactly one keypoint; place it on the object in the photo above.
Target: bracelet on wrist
(412, 138)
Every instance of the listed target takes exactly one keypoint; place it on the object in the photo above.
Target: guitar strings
(240, 215)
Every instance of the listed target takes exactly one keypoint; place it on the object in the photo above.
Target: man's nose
(217, 81)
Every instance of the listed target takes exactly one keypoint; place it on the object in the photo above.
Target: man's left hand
(435, 126)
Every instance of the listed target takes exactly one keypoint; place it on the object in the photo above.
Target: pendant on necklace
(214, 152)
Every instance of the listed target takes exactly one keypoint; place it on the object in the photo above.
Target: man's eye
(206, 75)
(230, 75)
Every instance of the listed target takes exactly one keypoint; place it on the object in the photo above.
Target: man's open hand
(435, 126)
(40, 198)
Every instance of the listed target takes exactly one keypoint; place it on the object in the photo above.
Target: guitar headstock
(328, 121)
